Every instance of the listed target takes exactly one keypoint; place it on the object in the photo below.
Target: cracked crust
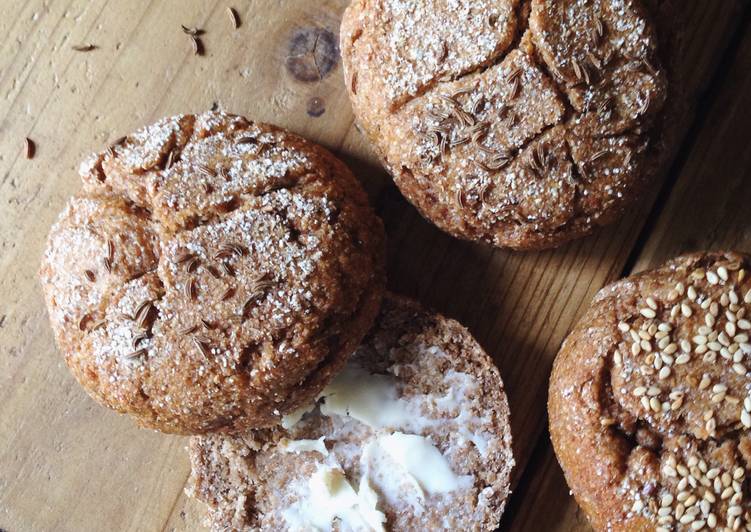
(248, 481)
(212, 274)
(650, 399)
(523, 124)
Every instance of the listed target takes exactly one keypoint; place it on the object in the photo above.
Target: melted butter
(374, 399)
(422, 460)
(299, 446)
(368, 502)
(461, 387)
(396, 465)
(332, 496)
(291, 419)
(370, 399)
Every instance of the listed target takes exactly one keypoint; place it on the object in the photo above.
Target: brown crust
(535, 149)
(625, 415)
(213, 273)
(247, 481)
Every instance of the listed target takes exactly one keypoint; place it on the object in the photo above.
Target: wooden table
(67, 464)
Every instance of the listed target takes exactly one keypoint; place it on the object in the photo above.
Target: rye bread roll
(523, 124)
(212, 274)
(650, 399)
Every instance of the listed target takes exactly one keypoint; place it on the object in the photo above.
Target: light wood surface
(67, 464)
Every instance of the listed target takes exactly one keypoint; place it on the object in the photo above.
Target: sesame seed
(706, 507)
(648, 313)
(712, 278)
(691, 293)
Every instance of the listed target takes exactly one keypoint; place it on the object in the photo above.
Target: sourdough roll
(650, 399)
(212, 274)
(520, 124)
(413, 434)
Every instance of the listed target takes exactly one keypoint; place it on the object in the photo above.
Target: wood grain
(68, 464)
